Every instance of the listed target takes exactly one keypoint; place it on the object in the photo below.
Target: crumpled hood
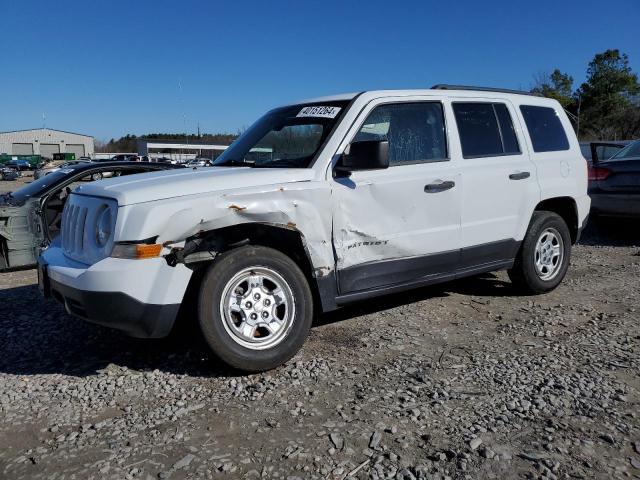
(149, 187)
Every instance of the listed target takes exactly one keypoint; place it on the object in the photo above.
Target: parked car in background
(9, 174)
(30, 216)
(378, 192)
(41, 172)
(614, 183)
(601, 150)
(19, 165)
(121, 157)
(166, 160)
(199, 162)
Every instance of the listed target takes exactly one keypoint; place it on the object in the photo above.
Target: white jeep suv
(323, 203)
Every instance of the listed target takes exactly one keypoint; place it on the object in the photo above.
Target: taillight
(598, 173)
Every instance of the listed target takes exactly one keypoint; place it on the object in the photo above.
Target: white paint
(370, 216)
(150, 281)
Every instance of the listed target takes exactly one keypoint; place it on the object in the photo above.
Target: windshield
(287, 137)
(38, 187)
(631, 150)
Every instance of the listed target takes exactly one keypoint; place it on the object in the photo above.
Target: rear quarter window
(545, 129)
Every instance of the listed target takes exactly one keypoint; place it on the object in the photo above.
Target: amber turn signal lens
(148, 251)
(136, 251)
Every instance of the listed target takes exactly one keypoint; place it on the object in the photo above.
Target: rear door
(500, 186)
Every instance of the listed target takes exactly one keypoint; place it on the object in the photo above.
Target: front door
(399, 225)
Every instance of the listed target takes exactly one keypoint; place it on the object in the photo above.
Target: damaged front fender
(301, 206)
(21, 238)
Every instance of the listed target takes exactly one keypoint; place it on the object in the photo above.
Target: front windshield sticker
(319, 111)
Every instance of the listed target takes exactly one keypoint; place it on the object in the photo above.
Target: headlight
(103, 227)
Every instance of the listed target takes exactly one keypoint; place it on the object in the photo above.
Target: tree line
(129, 143)
(606, 106)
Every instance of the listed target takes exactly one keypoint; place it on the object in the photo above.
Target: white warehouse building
(45, 142)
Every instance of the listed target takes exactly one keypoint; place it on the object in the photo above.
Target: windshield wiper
(281, 163)
(237, 163)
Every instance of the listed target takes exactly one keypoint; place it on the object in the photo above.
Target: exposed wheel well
(286, 240)
(565, 207)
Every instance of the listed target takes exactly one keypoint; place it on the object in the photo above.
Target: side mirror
(365, 155)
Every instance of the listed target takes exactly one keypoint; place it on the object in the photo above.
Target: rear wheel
(255, 308)
(543, 259)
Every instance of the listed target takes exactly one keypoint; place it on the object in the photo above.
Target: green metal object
(64, 156)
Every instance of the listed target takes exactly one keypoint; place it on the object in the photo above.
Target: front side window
(545, 129)
(287, 137)
(415, 131)
(486, 129)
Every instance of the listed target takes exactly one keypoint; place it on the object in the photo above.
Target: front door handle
(519, 176)
(439, 186)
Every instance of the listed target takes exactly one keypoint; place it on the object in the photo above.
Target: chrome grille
(74, 219)
(79, 220)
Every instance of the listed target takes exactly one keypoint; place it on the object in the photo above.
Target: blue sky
(116, 67)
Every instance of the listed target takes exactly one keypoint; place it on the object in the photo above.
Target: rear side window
(486, 129)
(545, 129)
(415, 131)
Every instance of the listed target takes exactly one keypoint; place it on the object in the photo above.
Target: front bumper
(139, 297)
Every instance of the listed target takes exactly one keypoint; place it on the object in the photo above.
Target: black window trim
(542, 152)
(491, 155)
(445, 129)
(339, 120)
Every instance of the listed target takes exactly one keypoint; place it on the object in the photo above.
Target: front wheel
(255, 308)
(543, 259)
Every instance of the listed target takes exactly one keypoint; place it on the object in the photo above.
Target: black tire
(524, 274)
(216, 330)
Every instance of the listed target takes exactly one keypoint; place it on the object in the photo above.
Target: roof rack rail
(444, 86)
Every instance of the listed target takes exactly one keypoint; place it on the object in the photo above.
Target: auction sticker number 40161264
(319, 111)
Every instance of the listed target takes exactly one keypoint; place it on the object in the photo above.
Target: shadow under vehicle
(30, 217)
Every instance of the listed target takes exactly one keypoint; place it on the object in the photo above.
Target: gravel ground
(462, 380)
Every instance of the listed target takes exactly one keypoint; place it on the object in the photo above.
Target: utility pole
(578, 121)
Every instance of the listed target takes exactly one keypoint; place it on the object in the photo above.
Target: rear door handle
(439, 186)
(519, 175)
